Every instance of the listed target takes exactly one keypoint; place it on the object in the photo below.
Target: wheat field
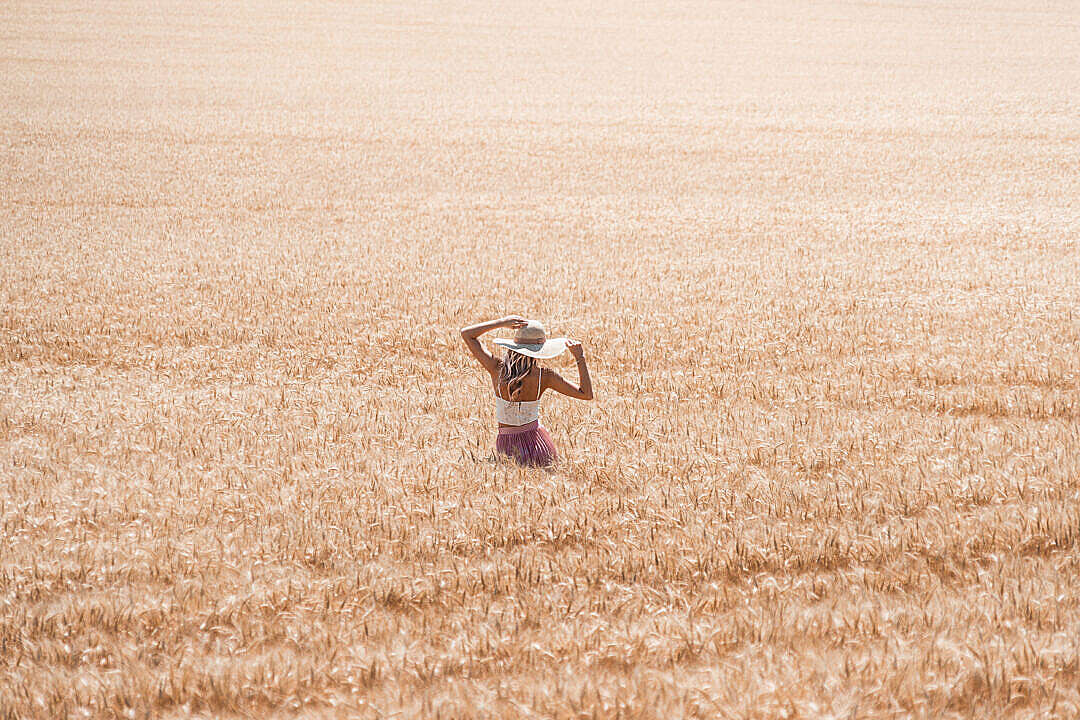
(823, 260)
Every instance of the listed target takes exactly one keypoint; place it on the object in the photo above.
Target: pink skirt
(529, 444)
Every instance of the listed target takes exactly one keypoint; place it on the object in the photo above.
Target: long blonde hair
(513, 370)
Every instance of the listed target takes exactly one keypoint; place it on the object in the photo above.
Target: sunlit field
(823, 258)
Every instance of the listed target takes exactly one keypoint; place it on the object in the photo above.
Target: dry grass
(824, 260)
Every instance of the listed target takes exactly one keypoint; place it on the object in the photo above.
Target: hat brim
(541, 351)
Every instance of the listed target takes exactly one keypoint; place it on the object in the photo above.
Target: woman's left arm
(471, 336)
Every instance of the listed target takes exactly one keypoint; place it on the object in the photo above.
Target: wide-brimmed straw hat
(532, 340)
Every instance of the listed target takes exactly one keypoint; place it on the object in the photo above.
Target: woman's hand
(574, 346)
(513, 322)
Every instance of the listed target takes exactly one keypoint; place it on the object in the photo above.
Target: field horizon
(823, 260)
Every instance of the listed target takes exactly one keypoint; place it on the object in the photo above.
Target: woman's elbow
(587, 395)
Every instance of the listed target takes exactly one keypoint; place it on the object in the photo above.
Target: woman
(519, 381)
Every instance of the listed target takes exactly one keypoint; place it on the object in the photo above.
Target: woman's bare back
(531, 386)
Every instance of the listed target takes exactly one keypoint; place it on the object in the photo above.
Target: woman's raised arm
(583, 391)
(471, 336)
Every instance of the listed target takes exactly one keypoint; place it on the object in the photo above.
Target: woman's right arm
(471, 336)
(584, 389)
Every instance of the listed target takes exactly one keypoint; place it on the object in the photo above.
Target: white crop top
(509, 412)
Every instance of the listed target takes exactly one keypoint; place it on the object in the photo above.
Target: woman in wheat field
(519, 381)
